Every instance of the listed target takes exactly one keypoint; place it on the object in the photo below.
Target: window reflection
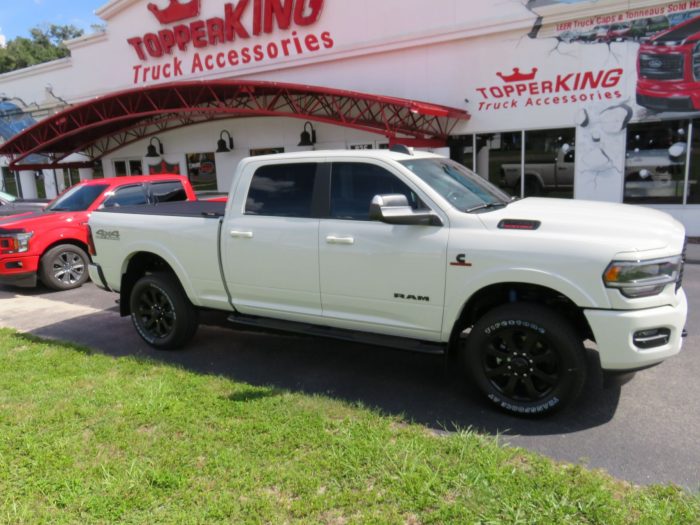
(655, 162)
(549, 162)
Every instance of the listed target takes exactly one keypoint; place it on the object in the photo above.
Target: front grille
(661, 67)
(680, 273)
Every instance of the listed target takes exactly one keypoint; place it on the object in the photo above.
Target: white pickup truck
(410, 251)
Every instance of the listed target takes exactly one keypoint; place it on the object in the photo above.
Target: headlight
(642, 278)
(14, 242)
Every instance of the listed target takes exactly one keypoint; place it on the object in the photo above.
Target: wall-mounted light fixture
(151, 150)
(308, 139)
(221, 144)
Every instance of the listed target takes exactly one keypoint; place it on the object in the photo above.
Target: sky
(17, 17)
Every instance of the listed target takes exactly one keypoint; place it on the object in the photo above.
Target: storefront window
(124, 168)
(655, 162)
(201, 171)
(462, 150)
(549, 163)
(498, 159)
(694, 172)
(9, 184)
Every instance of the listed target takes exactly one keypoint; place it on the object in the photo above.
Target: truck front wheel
(64, 267)
(161, 312)
(526, 358)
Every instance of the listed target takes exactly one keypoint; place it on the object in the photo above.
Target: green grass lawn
(86, 438)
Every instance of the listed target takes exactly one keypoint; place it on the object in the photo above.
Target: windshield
(7, 197)
(463, 189)
(78, 198)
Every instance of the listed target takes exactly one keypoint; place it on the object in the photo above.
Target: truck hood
(628, 228)
(38, 219)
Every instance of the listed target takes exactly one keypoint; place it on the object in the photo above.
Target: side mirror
(394, 209)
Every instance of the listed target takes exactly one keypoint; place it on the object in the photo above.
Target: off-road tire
(161, 312)
(526, 358)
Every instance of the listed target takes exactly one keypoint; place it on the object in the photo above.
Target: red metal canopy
(110, 122)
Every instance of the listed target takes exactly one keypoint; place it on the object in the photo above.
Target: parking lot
(644, 431)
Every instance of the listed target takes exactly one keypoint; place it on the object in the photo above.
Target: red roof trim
(110, 122)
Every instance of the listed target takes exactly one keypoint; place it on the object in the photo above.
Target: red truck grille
(661, 67)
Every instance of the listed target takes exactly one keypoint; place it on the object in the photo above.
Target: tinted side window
(354, 184)
(127, 196)
(168, 191)
(283, 190)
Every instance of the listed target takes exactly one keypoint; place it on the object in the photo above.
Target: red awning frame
(108, 123)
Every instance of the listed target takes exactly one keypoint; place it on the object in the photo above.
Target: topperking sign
(266, 30)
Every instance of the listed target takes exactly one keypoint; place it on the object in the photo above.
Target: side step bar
(277, 325)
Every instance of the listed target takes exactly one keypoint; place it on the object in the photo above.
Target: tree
(43, 46)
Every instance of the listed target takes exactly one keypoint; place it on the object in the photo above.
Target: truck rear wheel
(161, 312)
(526, 358)
(64, 267)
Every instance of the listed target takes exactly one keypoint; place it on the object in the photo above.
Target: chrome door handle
(241, 235)
(332, 239)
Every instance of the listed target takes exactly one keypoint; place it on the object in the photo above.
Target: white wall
(247, 133)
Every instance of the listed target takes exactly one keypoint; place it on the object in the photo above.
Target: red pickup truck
(669, 69)
(52, 244)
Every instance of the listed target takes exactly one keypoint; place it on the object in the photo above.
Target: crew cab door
(375, 276)
(269, 242)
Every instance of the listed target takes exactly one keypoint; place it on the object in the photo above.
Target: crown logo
(175, 11)
(517, 76)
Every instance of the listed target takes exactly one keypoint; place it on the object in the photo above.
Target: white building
(587, 99)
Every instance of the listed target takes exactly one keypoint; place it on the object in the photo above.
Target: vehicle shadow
(418, 387)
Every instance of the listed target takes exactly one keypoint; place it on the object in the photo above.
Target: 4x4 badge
(460, 260)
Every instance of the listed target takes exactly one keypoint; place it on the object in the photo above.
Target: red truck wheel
(64, 267)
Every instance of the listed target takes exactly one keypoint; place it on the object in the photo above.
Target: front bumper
(25, 280)
(19, 270)
(614, 333)
(669, 95)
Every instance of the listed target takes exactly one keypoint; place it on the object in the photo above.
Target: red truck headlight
(15, 242)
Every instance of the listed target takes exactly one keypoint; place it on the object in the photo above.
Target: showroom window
(201, 171)
(693, 187)
(9, 183)
(549, 163)
(124, 168)
(655, 163)
(547, 156)
(498, 159)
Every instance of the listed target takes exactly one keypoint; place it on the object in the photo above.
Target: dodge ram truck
(411, 251)
(50, 244)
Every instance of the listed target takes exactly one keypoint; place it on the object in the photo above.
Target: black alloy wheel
(526, 358)
(161, 312)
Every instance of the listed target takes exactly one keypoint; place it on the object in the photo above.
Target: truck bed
(208, 209)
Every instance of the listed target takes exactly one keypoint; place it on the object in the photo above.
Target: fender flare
(558, 283)
(160, 250)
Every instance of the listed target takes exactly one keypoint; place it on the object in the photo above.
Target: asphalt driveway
(645, 431)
